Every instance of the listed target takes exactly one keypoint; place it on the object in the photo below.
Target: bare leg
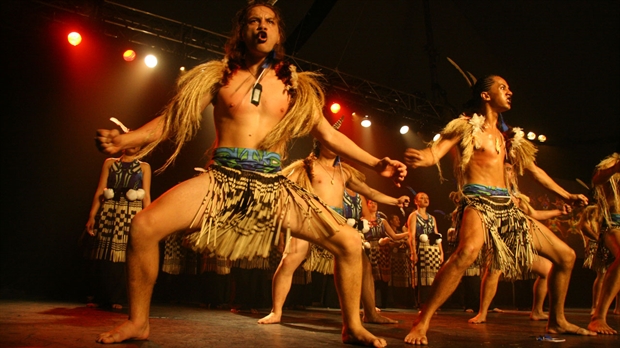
(610, 288)
(283, 277)
(541, 267)
(563, 259)
(596, 289)
(368, 296)
(172, 212)
(488, 289)
(449, 275)
(346, 246)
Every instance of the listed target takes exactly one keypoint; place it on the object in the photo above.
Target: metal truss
(191, 42)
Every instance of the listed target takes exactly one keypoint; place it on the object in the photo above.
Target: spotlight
(150, 61)
(542, 138)
(74, 38)
(436, 137)
(531, 135)
(366, 122)
(404, 129)
(335, 108)
(129, 55)
(182, 69)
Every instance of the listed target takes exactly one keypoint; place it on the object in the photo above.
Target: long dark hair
(482, 84)
(235, 46)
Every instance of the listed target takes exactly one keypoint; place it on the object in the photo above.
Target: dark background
(559, 57)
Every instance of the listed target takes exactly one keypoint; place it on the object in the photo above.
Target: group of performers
(244, 204)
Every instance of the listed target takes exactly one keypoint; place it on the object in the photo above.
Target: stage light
(404, 129)
(542, 138)
(150, 61)
(335, 108)
(129, 55)
(531, 135)
(436, 137)
(366, 122)
(182, 69)
(74, 38)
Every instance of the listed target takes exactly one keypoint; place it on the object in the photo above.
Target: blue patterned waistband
(248, 159)
(615, 219)
(482, 190)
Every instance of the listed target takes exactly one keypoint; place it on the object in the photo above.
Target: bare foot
(569, 329)
(478, 319)
(378, 319)
(126, 331)
(497, 310)
(601, 327)
(538, 316)
(117, 306)
(417, 335)
(271, 318)
(362, 337)
(469, 310)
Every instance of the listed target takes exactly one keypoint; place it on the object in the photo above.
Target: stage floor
(57, 324)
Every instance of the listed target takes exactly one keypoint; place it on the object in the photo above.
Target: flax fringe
(244, 212)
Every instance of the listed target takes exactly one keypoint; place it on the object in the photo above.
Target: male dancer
(540, 267)
(487, 216)
(323, 174)
(241, 204)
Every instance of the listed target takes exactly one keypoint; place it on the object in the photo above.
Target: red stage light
(74, 38)
(335, 108)
(129, 55)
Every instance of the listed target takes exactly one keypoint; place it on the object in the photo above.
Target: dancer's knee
(567, 258)
(465, 255)
(141, 227)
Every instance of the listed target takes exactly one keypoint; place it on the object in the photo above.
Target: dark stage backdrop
(55, 97)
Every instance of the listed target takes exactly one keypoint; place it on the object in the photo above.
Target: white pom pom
(351, 222)
(423, 238)
(108, 193)
(366, 226)
(366, 245)
(131, 194)
(141, 194)
(438, 241)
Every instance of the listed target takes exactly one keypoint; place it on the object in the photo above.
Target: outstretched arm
(342, 145)
(363, 189)
(111, 141)
(542, 177)
(431, 155)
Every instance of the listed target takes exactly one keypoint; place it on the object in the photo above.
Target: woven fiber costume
(605, 194)
(429, 254)
(248, 204)
(380, 256)
(122, 201)
(508, 242)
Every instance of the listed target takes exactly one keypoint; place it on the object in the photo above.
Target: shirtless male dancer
(605, 182)
(241, 204)
(540, 267)
(486, 206)
(323, 174)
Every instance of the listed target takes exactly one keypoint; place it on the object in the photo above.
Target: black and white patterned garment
(429, 253)
(113, 221)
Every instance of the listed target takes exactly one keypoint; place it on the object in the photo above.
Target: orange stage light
(129, 55)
